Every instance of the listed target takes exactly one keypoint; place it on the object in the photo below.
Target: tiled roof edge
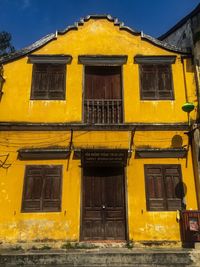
(180, 23)
(164, 45)
(24, 51)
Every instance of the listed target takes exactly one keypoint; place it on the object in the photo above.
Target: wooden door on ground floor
(103, 204)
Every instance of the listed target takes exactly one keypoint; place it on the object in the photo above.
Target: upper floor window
(48, 81)
(42, 188)
(156, 77)
(103, 103)
(164, 187)
(103, 95)
(49, 77)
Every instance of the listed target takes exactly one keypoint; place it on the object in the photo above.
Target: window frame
(164, 187)
(42, 199)
(48, 73)
(155, 68)
(108, 120)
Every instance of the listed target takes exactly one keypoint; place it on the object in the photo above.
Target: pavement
(101, 257)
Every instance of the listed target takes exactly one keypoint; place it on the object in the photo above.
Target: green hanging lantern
(188, 107)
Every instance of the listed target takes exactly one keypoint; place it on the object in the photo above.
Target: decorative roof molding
(115, 21)
(48, 38)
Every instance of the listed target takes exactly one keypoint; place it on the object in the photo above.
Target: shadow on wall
(180, 192)
(177, 141)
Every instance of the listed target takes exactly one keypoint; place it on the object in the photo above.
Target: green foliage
(67, 245)
(17, 248)
(5, 43)
(70, 245)
(45, 247)
(33, 248)
(129, 244)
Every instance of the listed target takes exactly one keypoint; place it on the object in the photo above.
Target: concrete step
(102, 258)
(103, 266)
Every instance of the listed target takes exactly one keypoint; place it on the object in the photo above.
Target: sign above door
(105, 157)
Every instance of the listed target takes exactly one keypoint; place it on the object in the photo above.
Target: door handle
(103, 207)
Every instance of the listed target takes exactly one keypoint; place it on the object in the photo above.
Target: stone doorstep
(97, 250)
(100, 251)
(48, 245)
(105, 257)
(197, 245)
(40, 246)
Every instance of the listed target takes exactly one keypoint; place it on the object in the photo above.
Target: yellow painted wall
(95, 37)
(65, 225)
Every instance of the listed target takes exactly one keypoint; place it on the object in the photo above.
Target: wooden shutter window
(154, 188)
(163, 187)
(156, 82)
(173, 187)
(42, 188)
(48, 81)
(32, 189)
(52, 190)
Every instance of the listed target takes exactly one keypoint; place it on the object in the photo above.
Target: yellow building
(94, 143)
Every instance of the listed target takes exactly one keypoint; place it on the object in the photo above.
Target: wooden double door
(103, 204)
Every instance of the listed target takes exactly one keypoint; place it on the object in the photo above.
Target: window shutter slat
(156, 204)
(173, 185)
(40, 84)
(32, 190)
(154, 188)
(148, 82)
(56, 82)
(164, 82)
(174, 204)
(52, 189)
(30, 205)
(52, 193)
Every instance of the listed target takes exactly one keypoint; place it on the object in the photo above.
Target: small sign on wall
(193, 224)
(105, 157)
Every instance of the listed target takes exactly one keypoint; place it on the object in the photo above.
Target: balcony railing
(103, 111)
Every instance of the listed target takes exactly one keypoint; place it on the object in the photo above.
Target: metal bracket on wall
(71, 149)
(131, 145)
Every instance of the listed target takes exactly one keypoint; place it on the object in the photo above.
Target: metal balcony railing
(103, 111)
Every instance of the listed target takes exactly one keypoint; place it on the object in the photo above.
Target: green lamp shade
(188, 107)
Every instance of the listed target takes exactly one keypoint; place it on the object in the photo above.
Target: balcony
(103, 111)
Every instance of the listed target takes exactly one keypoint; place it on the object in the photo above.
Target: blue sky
(29, 20)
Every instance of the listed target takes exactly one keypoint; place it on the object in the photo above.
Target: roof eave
(180, 23)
